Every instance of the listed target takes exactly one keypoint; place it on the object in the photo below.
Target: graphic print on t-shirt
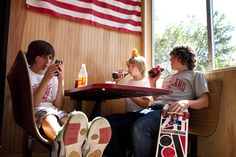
(45, 97)
(174, 82)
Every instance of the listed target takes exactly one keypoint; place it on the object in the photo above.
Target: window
(224, 33)
(185, 22)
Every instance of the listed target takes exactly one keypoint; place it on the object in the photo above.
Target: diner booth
(103, 50)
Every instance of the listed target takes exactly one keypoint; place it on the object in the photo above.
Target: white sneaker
(98, 137)
(73, 134)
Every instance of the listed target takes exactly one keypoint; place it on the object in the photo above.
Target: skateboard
(173, 134)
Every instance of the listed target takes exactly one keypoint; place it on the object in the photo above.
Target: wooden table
(104, 91)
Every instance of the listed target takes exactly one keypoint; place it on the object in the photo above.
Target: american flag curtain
(121, 15)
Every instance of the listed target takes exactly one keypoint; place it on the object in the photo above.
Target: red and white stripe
(121, 15)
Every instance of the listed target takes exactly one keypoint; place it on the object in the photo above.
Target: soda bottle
(155, 71)
(119, 74)
(82, 79)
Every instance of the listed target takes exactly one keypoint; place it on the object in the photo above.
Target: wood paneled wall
(102, 50)
(223, 141)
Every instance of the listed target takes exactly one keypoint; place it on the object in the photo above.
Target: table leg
(96, 110)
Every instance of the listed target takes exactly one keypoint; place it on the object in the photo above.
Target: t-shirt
(185, 85)
(129, 104)
(50, 92)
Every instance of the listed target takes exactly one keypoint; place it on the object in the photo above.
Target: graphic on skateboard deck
(173, 134)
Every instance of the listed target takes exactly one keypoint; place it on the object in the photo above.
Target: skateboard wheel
(185, 115)
(164, 113)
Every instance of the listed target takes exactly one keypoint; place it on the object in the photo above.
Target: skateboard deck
(173, 135)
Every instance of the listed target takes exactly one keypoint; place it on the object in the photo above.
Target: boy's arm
(201, 102)
(40, 91)
(59, 100)
(152, 82)
(142, 102)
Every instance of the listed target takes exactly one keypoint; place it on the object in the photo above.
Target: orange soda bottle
(82, 79)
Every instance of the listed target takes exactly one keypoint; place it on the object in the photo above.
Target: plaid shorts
(41, 112)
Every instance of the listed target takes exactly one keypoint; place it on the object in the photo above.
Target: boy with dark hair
(70, 130)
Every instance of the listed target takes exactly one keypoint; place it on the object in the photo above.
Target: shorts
(42, 112)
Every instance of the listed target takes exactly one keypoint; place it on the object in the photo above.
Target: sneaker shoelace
(85, 147)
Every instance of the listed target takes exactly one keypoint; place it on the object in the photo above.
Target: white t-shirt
(130, 106)
(50, 92)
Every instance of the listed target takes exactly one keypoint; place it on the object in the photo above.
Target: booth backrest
(203, 122)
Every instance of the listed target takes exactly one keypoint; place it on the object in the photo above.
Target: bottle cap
(83, 65)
